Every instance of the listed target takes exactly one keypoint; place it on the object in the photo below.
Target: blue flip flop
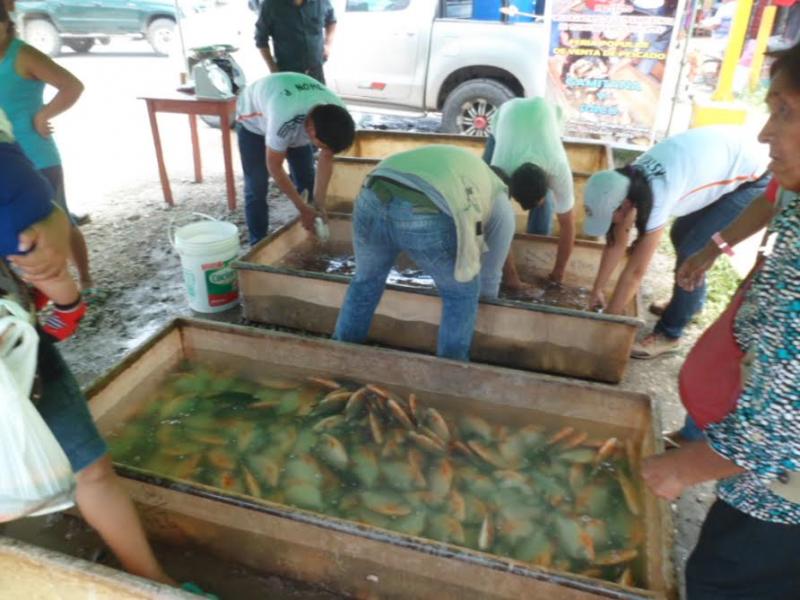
(193, 588)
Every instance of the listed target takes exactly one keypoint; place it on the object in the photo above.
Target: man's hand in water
(307, 216)
(521, 290)
(597, 301)
(556, 277)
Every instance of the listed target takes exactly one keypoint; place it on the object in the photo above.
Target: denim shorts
(63, 407)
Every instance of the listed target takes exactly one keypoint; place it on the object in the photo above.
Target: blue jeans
(381, 230)
(253, 153)
(64, 408)
(689, 234)
(691, 431)
(540, 219)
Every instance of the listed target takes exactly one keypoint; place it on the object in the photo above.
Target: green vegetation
(624, 156)
(722, 283)
(755, 99)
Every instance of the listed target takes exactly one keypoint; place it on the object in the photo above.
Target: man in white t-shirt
(282, 111)
(705, 177)
(526, 143)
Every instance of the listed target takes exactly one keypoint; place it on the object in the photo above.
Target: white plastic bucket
(206, 250)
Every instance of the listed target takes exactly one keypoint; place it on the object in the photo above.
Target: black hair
(6, 18)
(787, 61)
(501, 174)
(528, 185)
(641, 196)
(334, 126)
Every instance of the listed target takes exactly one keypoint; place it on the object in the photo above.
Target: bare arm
(612, 254)
(668, 475)
(330, 31)
(263, 33)
(35, 65)
(324, 171)
(566, 242)
(631, 277)
(275, 160)
(754, 218)
(266, 53)
(511, 278)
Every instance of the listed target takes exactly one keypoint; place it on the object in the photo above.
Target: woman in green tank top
(24, 73)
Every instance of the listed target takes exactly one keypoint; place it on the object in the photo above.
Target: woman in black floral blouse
(749, 546)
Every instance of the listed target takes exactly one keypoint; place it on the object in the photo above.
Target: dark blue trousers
(689, 234)
(739, 557)
(253, 153)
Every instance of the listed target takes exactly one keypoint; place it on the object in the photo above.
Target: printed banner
(606, 66)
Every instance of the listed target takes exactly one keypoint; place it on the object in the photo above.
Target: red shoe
(40, 299)
(64, 321)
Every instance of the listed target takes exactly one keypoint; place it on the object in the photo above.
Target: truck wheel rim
(474, 117)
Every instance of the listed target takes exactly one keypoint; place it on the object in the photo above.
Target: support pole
(183, 73)
(724, 91)
(764, 29)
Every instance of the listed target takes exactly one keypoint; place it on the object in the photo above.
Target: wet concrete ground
(228, 580)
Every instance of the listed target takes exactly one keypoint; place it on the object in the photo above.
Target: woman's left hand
(668, 475)
(42, 125)
(663, 474)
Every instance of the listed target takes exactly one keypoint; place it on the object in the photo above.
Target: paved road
(105, 138)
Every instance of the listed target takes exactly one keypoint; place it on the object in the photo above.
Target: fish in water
(363, 451)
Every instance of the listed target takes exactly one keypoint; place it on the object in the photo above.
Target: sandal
(672, 440)
(193, 588)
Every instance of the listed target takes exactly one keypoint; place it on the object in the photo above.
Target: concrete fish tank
(370, 147)
(283, 282)
(384, 474)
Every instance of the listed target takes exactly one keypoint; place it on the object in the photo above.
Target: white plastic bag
(35, 474)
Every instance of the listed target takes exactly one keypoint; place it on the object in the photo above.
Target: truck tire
(42, 35)
(160, 34)
(79, 45)
(470, 105)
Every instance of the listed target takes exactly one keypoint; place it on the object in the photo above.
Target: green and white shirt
(276, 106)
(461, 185)
(527, 130)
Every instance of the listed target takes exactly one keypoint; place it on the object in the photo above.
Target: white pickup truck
(428, 56)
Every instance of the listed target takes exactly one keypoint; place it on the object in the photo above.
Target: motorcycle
(216, 75)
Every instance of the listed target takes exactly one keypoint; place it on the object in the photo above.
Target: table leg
(162, 170)
(198, 167)
(230, 184)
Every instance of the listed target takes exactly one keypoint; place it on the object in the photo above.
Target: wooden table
(193, 106)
